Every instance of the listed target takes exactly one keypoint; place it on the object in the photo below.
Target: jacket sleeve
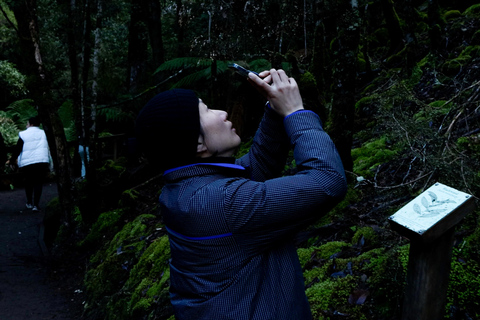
(268, 153)
(261, 214)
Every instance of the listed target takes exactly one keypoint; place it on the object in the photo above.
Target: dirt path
(27, 288)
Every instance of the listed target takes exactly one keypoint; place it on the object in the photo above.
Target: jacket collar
(206, 166)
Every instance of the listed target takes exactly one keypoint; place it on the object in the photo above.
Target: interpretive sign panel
(432, 212)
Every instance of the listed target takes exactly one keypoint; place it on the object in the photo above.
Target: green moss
(129, 198)
(371, 155)
(332, 293)
(469, 144)
(464, 285)
(106, 224)
(149, 277)
(434, 110)
(368, 235)
(386, 280)
(111, 267)
(414, 78)
(470, 51)
(365, 101)
(318, 274)
(321, 252)
(473, 10)
(307, 81)
(452, 14)
(452, 67)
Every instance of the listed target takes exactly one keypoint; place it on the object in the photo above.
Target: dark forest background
(396, 84)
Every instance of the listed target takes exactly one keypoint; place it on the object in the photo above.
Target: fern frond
(260, 65)
(222, 66)
(194, 78)
(8, 129)
(20, 111)
(114, 114)
(65, 112)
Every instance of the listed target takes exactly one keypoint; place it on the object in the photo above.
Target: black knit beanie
(167, 128)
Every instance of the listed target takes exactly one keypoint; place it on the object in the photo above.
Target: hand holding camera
(282, 91)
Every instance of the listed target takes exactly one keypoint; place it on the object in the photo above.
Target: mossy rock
(111, 267)
(106, 224)
(365, 102)
(452, 14)
(371, 155)
(453, 66)
(473, 10)
(334, 281)
(132, 232)
(147, 287)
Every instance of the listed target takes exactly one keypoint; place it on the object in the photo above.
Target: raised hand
(279, 89)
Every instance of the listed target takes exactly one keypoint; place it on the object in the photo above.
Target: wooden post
(429, 222)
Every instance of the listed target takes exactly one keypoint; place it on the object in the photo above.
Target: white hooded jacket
(35, 147)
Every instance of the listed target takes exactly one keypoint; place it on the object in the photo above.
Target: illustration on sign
(428, 208)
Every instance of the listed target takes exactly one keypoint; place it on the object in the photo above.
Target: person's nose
(223, 114)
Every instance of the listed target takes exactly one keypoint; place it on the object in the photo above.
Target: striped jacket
(231, 224)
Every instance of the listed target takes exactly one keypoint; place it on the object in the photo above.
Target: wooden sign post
(429, 222)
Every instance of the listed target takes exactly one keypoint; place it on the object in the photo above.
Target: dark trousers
(34, 178)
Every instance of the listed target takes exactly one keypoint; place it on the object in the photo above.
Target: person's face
(218, 137)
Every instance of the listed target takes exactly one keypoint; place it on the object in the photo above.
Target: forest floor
(33, 284)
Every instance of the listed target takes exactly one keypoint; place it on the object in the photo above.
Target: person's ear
(201, 147)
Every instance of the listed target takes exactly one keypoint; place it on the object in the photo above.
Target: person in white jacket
(32, 156)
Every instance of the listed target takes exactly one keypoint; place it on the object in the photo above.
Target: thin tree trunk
(71, 25)
(95, 69)
(89, 213)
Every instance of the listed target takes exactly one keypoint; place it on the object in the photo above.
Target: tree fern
(20, 111)
(65, 112)
(259, 65)
(114, 114)
(8, 129)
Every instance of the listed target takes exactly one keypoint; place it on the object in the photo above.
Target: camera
(241, 70)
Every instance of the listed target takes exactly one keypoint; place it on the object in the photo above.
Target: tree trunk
(25, 14)
(137, 46)
(346, 55)
(154, 23)
(393, 26)
(179, 27)
(71, 24)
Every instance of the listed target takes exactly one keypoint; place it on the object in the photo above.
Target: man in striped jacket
(231, 221)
